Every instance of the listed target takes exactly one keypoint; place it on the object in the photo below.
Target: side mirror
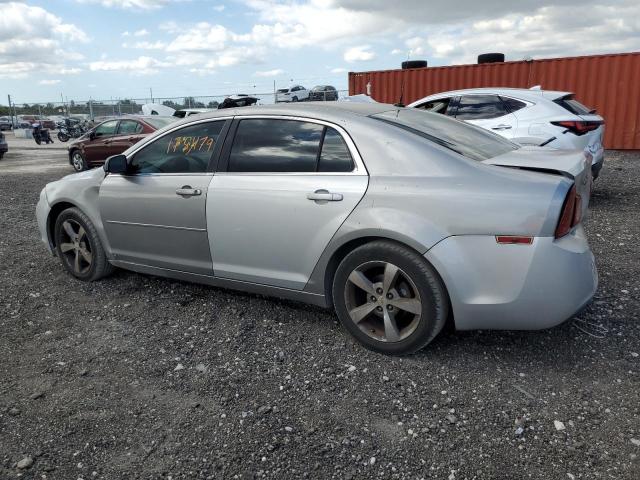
(92, 134)
(116, 164)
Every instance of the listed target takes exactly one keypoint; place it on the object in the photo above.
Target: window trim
(359, 168)
(488, 94)
(214, 159)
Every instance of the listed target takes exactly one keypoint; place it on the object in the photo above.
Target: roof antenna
(400, 104)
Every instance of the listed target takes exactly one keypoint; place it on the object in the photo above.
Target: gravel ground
(142, 377)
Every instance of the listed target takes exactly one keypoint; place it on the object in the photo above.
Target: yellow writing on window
(187, 145)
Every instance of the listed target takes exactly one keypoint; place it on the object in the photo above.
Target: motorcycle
(41, 135)
(70, 129)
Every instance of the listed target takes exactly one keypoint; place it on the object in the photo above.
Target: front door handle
(501, 127)
(187, 191)
(324, 196)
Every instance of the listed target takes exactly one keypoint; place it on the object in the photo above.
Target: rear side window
(129, 126)
(571, 104)
(480, 107)
(274, 145)
(512, 104)
(469, 140)
(186, 150)
(335, 156)
(266, 145)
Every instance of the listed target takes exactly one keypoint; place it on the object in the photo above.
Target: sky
(104, 49)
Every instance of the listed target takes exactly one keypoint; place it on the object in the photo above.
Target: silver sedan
(400, 220)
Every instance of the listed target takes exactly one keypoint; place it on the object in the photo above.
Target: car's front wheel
(79, 247)
(389, 298)
(78, 162)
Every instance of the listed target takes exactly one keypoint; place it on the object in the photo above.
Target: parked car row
(298, 93)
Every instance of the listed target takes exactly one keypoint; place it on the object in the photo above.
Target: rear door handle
(187, 191)
(324, 196)
(501, 127)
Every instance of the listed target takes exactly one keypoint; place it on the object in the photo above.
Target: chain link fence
(97, 110)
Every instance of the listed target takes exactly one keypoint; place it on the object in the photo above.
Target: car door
(98, 148)
(129, 133)
(284, 188)
(488, 112)
(155, 214)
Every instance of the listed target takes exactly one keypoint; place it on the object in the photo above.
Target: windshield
(159, 122)
(283, 90)
(468, 140)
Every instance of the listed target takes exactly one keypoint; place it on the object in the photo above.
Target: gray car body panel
(419, 193)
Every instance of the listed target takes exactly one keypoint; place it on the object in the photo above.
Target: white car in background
(529, 117)
(296, 93)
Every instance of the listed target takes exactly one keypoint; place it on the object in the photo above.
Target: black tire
(294, 99)
(63, 137)
(430, 292)
(38, 141)
(414, 64)
(78, 162)
(87, 240)
(491, 57)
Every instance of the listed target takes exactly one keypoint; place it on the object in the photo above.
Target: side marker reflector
(513, 240)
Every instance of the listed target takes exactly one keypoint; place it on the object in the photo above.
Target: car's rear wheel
(294, 99)
(389, 298)
(63, 137)
(79, 247)
(78, 162)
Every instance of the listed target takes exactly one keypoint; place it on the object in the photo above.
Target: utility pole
(151, 92)
(275, 97)
(13, 124)
(63, 104)
(91, 109)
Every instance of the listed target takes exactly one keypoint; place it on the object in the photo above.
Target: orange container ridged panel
(608, 83)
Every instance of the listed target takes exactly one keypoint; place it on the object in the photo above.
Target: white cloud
(139, 66)
(129, 4)
(338, 70)
(147, 45)
(141, 33)
(33, 39)
(49, 82)
(359, 53)
(269, 73)
(219, 8)
(126, 33)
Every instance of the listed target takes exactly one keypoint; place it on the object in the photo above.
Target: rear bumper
(515, 287)
(597, 164)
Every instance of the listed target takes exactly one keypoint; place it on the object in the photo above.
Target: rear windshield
(283, 90)
(468, 140)
(573, 105)
(159, 122)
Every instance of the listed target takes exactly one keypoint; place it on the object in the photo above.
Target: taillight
(571, 214)
(579, 127)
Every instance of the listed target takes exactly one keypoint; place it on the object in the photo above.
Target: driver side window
(106, 128)
(186, 150)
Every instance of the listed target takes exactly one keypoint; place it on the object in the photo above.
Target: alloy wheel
(78, 161)
(75, 246)
(383, 301)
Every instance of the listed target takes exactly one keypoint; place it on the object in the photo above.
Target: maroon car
(111, 138)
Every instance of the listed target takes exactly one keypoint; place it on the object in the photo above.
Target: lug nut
(389, 296)
(379, 309)
(379, 291)
(389, 307)
(373, 298)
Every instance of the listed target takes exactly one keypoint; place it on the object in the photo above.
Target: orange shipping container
(608, 83)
